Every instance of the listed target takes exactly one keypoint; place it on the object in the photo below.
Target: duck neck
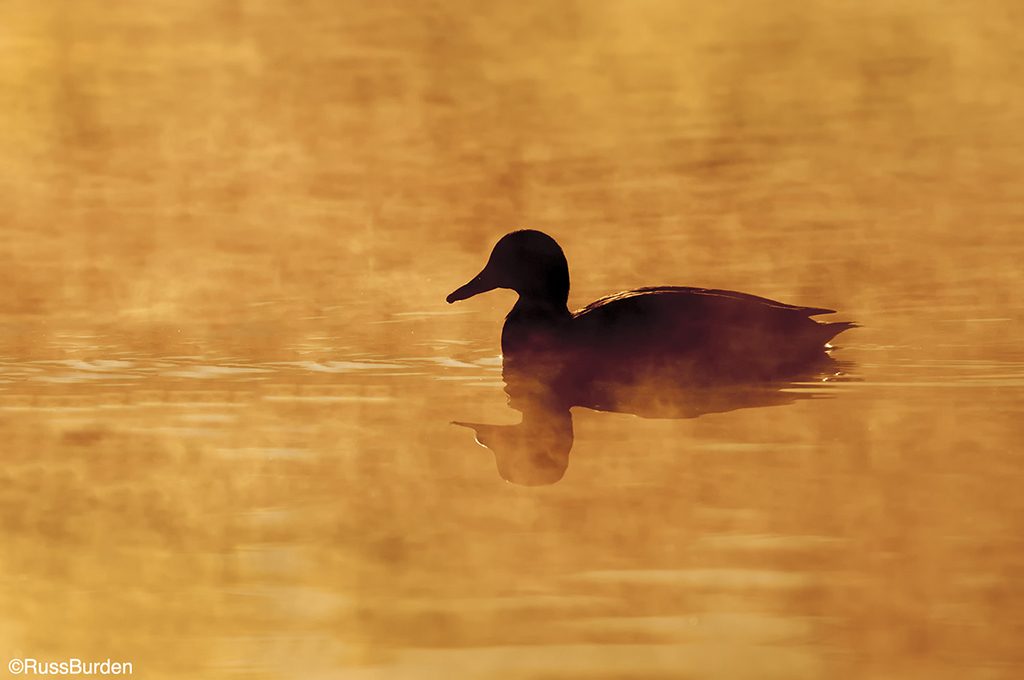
(540, 306)
(535, 325)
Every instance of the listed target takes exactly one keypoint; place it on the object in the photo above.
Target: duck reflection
(536, 450)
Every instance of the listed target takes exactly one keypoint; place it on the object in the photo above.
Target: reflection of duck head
(532, 453)
(704, 335)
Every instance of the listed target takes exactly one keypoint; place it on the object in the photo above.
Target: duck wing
(703, 294)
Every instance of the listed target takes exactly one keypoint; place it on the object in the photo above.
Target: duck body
(692, 335)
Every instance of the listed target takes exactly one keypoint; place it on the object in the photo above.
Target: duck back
(696, 334)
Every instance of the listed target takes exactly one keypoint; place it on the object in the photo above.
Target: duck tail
(831, 330)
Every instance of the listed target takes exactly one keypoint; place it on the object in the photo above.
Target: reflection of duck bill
(525, 453)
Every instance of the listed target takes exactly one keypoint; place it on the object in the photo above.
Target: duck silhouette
(695, 336)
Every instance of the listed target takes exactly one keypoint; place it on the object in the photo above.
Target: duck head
(527, 261)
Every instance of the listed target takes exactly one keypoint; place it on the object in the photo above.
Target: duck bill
(480, 284)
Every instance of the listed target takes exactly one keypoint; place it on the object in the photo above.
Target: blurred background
(227, 370)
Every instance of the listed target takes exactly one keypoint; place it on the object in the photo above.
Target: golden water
(227, 372)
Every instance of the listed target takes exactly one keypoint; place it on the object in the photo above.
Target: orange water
(227, 372)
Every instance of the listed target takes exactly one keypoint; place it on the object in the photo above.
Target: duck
(696, 336)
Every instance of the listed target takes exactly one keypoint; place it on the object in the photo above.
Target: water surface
(228, 375)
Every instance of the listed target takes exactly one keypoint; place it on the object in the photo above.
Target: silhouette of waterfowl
(697, 335)
(665, 352)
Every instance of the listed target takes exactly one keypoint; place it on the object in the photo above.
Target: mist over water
(228, 373)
